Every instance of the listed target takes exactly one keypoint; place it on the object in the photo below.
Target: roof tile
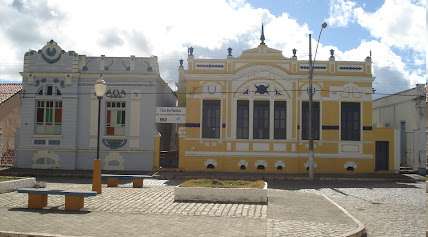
(8, 90)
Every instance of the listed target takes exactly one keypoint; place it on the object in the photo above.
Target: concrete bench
(113, 180)
(38, 197)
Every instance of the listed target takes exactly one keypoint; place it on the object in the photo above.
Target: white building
(405, 111)
(59, 114)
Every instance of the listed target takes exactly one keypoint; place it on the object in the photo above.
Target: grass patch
(215, 183)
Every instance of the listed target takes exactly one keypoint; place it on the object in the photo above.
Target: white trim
(261, 146)
(242, 146)
(277, 154)
(296, 77)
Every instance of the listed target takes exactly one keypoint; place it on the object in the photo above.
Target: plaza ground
(295, 208)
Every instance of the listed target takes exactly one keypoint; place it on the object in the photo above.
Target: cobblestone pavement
(127, 211)
(155, 198)
(295, 214)
(386, 208)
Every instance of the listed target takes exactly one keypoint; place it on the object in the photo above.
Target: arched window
(49, 90)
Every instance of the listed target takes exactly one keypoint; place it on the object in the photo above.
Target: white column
(233, 116)
(93, 122)
(134, 126)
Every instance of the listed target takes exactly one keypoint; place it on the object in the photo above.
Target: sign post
(170, 115)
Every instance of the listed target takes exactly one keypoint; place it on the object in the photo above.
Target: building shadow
(50, 210)
(337, 184)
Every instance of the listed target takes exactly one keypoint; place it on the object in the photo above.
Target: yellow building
(250, 114)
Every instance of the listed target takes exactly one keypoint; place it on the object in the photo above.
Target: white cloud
(341, 13)
(398, 23)
(388, 67)
(166, 28)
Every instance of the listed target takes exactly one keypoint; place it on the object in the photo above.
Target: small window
(261, 167)
(261, 120)
(211, 119)
(315, 120)
(280, 120)
(351, 121)
(350, 168)
(210, 166)
(54, 142)
(279, 167)
(116, 118)
(243, 167)
(242, 119)
(39, 142)
(49, 90)
(48, 117)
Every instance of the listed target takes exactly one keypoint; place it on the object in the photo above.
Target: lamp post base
(96, 176)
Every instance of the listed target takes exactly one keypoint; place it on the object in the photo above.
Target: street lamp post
(100, 90)
(311, 97)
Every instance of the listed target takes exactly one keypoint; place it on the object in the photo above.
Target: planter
(221, 195)
(12, 185)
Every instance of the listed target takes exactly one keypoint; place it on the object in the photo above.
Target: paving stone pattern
(150, 211)
(386, 208)
(155, 198)
(394, 211)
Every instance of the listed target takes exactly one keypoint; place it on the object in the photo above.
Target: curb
(360, 231)
(27, 234)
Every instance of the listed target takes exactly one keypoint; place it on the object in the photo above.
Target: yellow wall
(331, 154)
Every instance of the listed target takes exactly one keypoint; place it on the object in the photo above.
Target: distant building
(60, 111)
(249, 113)
(406, 112)
(10, 105)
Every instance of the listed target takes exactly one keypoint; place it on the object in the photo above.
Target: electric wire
(277, 92)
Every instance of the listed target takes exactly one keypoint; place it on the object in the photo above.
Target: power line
(277, 92)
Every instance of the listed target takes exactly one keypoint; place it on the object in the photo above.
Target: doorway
(382, 156)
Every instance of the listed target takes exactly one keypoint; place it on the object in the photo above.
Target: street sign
(170, 115)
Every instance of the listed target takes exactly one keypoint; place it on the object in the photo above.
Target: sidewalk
(151, 212)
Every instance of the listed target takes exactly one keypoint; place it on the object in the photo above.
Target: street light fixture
(311, 94)
(100, 90)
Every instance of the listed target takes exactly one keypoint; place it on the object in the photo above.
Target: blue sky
(391, 29)
(314, 12)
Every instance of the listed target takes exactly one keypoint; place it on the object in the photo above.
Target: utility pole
(311, 98)
(310, 117)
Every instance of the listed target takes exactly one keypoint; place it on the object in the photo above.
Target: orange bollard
(96, 176)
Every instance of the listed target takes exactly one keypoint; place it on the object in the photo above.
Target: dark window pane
(351, 121)
(280, 120)
(315, 120)
(58, 115)
(49, 90)
(40, 113)
(211, 119)
(242, 123)
(261, 120)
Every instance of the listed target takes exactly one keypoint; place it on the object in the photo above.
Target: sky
(393, 30)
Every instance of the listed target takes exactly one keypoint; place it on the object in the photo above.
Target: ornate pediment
(51, 52)
(262, 52)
